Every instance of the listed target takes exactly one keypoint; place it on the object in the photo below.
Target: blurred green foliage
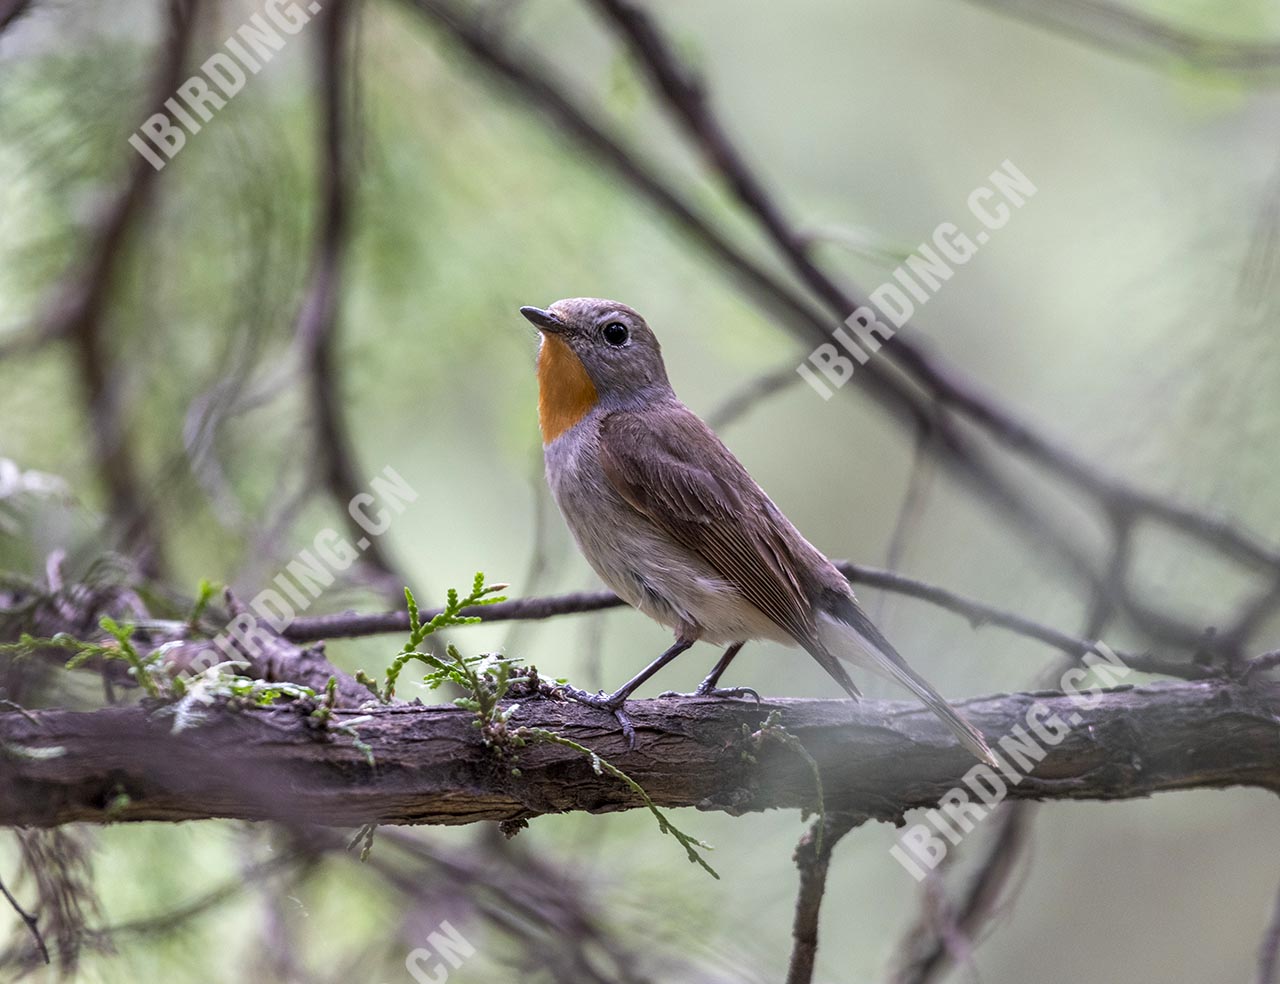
(1130, 308)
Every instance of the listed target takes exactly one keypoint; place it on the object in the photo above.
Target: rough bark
(877, 759)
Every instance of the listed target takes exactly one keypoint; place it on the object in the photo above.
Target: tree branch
(79, 308)
(1269, 952)
(947, 392)
(1133, 34)
(11, 10)
(356, 624)
(813, 858)
(946, 926)
(318, 323)
(31, 922)
(877, 758)
(686, 99)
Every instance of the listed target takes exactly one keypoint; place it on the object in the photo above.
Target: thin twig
(316, 330)
(944, 935)
(353, 624)
(27, 918)
(1252, 615)
(545, 551)
(175, 917)
(535, 903)
(79, 307)
(1269, 952)
(813, 862)
(1128, 31)
(686, 99)
(18, 342)
(530, 77)
(533, 80)
(1260, 664)
(911, 508)
(11, 10)
(752, 394)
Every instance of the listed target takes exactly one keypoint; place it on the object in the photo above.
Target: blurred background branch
(1136, 34)
(195, 383)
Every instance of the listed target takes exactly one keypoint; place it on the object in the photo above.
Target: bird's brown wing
(673, 469)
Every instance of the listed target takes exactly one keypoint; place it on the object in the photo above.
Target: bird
(674, 524)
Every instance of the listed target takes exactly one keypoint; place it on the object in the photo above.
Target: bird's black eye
(615, 333)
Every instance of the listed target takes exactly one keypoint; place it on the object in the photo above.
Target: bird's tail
(847, 633)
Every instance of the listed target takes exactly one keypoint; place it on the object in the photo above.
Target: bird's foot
(614, 703)
(711, 691)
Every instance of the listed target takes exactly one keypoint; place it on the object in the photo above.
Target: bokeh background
(1130, 309)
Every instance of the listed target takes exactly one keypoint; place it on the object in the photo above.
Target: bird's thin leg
(708, 688)
(614, 701)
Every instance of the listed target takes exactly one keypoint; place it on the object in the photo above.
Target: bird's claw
(628, 730)
(705, 691)
(599, 699)
(606, 702)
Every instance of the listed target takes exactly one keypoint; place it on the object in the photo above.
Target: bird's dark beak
(543, 320)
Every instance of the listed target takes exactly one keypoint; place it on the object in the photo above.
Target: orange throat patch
(565, 391)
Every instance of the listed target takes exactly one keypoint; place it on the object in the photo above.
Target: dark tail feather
(833, 666)
(850, 634)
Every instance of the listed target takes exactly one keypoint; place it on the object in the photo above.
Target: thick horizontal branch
(877, 758)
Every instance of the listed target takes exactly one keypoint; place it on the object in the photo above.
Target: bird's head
(592, 351)
(616, 348)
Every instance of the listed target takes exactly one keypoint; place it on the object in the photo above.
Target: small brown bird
(672, 522)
